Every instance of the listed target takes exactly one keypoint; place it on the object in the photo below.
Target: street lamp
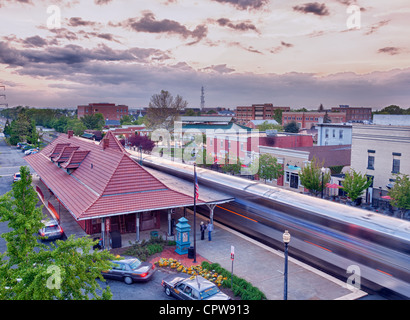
(323, 172)
(286, 240)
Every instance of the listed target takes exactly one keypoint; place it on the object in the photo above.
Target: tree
(311, 177)
(269, 168)
(93, 121)
(269, 126)
(144, 142)
(355, 183)
(30, 270)
(126, 120)
(163, 110)
(291, 127)
(232, 166)
(400, 193)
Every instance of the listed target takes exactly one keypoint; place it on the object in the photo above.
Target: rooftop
(98, 180)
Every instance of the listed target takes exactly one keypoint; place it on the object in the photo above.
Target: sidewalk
(263, 267)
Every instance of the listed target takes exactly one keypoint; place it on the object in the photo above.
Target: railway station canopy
(102, 180)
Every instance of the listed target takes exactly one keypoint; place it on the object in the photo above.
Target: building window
(327, 133)
(334, 133)
(370, 162)
(396, 166)
(340, 134)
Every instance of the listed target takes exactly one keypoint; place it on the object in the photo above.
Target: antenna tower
(202, 98)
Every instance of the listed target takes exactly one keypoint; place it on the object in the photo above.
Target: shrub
(241, 287)
(146, 248)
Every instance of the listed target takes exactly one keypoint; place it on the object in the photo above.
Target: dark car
(51, 231)
(186, 287)
(130, 270)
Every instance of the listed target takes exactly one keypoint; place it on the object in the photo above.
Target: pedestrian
(210, 228)
(202, 228)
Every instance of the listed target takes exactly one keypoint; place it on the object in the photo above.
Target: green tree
(269, 126)
(76, 125)
(278, 115)
(311, 177)
(126, 120)
(269, 168)
(232, 166)
(29, 269)
(21, 128)
(291, 127)
(400, 193)
(93, 121)
(355, 183)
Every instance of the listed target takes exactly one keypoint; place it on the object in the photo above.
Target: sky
(297, 53)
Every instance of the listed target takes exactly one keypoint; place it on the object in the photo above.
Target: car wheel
(128, 280)
(167, 291)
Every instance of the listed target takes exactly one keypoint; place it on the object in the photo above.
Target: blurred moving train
(335, 238)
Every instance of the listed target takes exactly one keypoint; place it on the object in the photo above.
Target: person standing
(210, 228)
(202, 228)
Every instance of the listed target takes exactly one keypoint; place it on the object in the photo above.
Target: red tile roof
(98, 180)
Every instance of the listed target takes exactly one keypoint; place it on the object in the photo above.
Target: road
(11, 159)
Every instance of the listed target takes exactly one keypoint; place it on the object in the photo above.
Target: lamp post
(323, 172)
(286, 240)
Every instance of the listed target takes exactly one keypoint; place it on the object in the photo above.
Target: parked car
(51, 231)
(186, 287)
(17, 177)
(27, 147)
(130, 270)
(31, 151)
(21, 144)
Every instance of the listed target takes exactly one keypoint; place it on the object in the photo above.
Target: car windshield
(135, 264)
(209, 292)
(52, 228)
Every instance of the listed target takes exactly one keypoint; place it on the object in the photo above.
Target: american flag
(196, 185)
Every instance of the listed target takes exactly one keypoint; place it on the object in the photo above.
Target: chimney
(105, 143)
(70, 133)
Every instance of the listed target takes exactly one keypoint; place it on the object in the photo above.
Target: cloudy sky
(287, 52)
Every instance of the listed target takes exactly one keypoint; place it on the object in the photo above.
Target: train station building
(104, 189)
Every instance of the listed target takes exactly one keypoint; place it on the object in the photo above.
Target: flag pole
(195, 195)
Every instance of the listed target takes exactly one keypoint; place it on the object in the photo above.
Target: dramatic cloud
(390, 50)
(377, 26)
(101, 2)
(282, 46)
(316, 8)
(74, 54)
(149, 24)
(78, 21)
(241, 26)
(34, 42)
(221, 68)
(245, 4)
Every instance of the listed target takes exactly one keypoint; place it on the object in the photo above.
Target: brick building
(264, 111)
(245, 145)
(309, 119)
(354, 114)
(110, 111)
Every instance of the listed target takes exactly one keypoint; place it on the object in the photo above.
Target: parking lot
(11, 159)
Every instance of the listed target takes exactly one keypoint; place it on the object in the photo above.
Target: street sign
(232, 252)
